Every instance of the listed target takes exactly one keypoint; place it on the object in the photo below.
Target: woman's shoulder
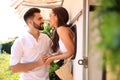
(62, 29)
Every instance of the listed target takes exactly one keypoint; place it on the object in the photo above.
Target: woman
(63, 37)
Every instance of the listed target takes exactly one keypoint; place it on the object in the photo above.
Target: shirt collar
(40, 36)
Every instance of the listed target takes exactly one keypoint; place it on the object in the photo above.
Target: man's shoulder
(20, 38)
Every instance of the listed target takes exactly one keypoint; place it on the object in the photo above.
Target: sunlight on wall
(10, 24)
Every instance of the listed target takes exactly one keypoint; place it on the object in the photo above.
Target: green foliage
(109, 28)
(47, 30)
(7, 46)
(107, 3)
(53, 68)
(110, 32)
(5, 72)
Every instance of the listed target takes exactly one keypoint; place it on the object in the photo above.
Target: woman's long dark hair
(63, 18)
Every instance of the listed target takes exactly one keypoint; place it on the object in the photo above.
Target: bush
(109, 27)
(47, 30)
(6, 47)
(53, 67)
(5, 72)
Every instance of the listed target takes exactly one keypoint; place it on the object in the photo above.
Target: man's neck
(35, 34)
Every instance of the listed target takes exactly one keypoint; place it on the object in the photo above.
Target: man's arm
(24, 67)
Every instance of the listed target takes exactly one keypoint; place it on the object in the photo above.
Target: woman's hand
(46, 56)
(48, 61)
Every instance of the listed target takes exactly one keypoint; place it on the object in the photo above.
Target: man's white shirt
(26, 49)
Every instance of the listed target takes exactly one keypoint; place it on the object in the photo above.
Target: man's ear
(29, 21)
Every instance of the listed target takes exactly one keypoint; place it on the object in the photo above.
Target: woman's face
(53, 20)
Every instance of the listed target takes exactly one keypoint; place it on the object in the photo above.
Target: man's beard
(39, 27)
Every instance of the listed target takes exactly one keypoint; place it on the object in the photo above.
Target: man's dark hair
(30, 13)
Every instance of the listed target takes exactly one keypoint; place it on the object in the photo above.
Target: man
(27, 51)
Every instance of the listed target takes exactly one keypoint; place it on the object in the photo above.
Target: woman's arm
(67, 38)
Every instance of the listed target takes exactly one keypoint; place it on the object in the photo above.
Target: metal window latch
(83, 62)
